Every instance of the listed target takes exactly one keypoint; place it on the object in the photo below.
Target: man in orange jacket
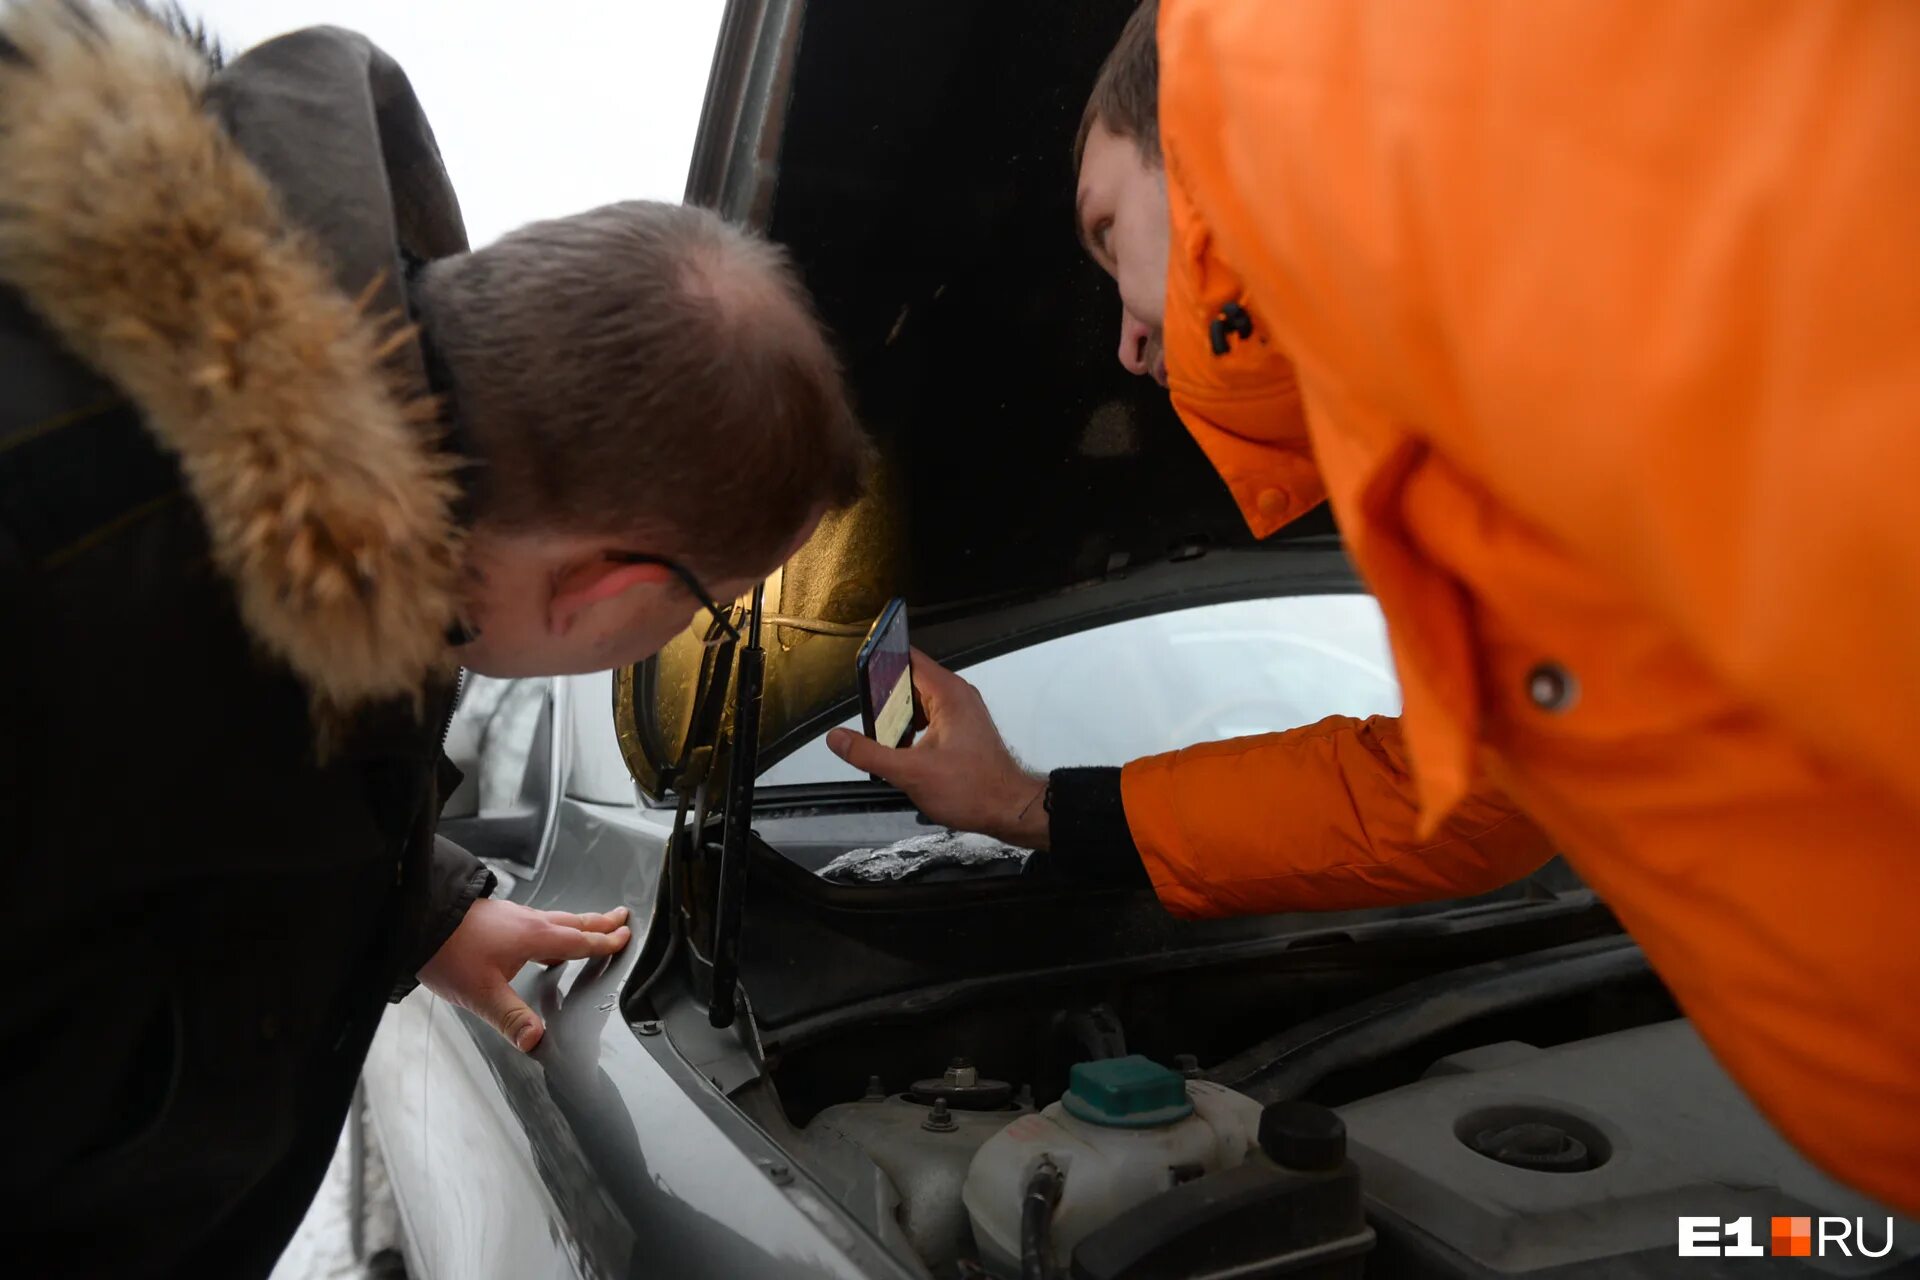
(1599, 325)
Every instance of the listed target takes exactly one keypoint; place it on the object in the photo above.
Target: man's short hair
(1126, 93)
(647, 372)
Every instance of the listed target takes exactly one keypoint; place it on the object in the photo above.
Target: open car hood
(916, 160)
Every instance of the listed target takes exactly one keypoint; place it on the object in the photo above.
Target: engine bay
(1001, 1074)
(1542, 1115)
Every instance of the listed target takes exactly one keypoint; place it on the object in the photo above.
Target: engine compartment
(1514, 1091)
(1559, 1133)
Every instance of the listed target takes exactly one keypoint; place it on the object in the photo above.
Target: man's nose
(1135, 338)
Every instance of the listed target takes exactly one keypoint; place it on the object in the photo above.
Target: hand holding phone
(959, 774)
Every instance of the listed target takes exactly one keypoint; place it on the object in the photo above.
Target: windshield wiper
(743, 768)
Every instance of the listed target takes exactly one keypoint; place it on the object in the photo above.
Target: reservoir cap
(1126, 1093)
(1304, 1136)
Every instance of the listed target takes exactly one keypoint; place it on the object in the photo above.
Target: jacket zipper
(459, 688)
(446, 729)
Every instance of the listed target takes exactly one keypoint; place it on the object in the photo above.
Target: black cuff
(1087, 834)
(473, 886)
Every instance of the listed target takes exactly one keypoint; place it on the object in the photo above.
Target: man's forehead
(1094, 178)
(1106, 159)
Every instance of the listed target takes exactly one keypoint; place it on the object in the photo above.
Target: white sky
(541, 109)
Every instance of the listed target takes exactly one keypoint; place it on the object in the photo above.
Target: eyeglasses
(687, 580)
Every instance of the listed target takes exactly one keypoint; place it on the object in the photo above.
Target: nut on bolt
(962, 1074)
(648, 1028)
(939, 1120)
(778, 1172)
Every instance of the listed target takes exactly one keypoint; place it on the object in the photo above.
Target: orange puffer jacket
(1599, 325)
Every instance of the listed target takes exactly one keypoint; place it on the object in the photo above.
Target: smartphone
(884, 670)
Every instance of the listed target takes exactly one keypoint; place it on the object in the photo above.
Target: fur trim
(152, 247)
(190, 31)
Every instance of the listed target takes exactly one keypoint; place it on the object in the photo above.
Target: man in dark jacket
(271, 444)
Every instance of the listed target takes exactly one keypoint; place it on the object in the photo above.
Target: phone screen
(886, 678)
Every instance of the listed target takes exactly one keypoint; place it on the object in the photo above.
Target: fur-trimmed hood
(263, 343)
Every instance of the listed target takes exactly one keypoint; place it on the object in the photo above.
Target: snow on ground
(323, 1247)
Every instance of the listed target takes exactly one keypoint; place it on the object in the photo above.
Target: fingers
(508, 1014)
(591, 921)
(937, 686)
(863, 753)
(562, 942)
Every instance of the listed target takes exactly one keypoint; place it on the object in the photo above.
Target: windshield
(1130, 689)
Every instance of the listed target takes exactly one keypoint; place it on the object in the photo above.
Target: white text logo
(1790, 1238)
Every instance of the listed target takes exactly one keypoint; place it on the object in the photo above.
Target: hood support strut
(743, 769)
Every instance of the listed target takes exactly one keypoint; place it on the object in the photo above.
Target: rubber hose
(1036, 1222)
(1290, 1064)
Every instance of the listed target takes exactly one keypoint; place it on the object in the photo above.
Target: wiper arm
(743, 769)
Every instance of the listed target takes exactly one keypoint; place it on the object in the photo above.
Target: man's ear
(592, 581)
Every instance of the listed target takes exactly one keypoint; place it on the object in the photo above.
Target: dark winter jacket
(228, 559)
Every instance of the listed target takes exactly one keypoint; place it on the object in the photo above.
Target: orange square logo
(1793, 1237)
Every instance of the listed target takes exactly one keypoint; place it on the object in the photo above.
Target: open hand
(474, 967)
(959, 772)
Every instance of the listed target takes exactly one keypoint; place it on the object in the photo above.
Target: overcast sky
(541, 109)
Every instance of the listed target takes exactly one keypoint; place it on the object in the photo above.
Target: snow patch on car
(918, 855)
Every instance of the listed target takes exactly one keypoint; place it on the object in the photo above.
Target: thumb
(863, 753)
(510, 1016)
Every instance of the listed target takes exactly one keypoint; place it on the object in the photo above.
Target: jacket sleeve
(455, 881)
(1320, 818)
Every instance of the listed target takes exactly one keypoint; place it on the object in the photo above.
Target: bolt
(961, 1074)
(939, 1120)
(1024, 1099)
(1186, 1064)
(648, 1028)
(780, 1174)
(875, 1089)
